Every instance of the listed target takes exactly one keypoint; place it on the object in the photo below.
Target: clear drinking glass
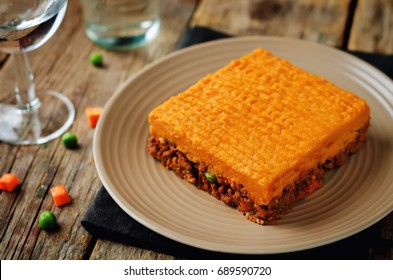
(121, 24)
(38, 115)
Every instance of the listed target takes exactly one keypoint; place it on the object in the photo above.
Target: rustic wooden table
(63, 64)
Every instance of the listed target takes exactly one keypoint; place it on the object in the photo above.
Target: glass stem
(26, 98)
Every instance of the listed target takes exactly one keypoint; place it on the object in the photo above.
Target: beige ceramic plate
(356, 196)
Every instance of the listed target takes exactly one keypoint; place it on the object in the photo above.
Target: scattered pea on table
(96, 59)
(70, 141)
(47, 220)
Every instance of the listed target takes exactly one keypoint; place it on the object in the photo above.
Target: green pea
(325, 176)
(70, 141)
(96, 59)
(210, 177)
(47, 220)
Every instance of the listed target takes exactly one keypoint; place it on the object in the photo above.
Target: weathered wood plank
(372, 31)
(63, 64)
(372, 28)
(175, 16)
(383, 248)
(6, 79)
(68, 70)
(22, 232)
(11, 212)
(319, 21)
(3, 58)
(119, 251)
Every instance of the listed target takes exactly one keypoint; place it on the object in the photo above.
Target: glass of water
(121, 24)
(38, 115)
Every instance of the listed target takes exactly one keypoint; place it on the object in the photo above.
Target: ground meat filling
(235, 195)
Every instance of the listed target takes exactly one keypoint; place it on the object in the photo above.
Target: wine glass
(38, 115)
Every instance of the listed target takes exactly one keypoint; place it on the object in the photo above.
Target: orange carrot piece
(93, 114)
(314, 185)
(8, 182)
(60, 195)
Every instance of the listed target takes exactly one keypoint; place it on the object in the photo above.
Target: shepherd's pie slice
(260, 133)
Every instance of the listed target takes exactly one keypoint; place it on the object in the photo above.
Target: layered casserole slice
(259, 134)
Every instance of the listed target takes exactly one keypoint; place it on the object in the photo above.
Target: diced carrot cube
(8, 182)
(93, 114)
(314, 185)
(60, 195)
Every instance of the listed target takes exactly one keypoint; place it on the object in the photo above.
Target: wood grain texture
(174, 18)
(372, 28)
(372, 31)
(3, 58)
(63, 64)
(383, 247)
(119, 251)
(49, 164)
(319, 21)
